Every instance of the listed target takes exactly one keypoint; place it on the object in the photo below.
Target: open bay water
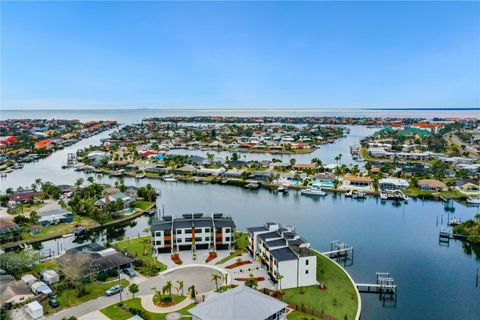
(435, 281)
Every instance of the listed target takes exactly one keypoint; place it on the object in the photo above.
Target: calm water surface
(435, 282)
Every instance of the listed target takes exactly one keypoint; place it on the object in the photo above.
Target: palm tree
(191, 289)
(279, 279)
(215, 277)
(180, 285)
(293, 161)
(251, 282)
(167, 288)
(90, 179)
(317, 162)
(338, 158)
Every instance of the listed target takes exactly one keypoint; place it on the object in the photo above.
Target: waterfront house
(210, 172)
(284, 253)
(93, 259)
(172, 234)
(304, 166)
(239, 303)
(127, 200)
(468, 186)
(432, 185)
(56, 216)
(324, 180)
(186, 170)
(233, 173)
(356, 182)
(197, 160)
(24, 196)
(262, 175)
(393, 184)
(13, 291)
(9, 231)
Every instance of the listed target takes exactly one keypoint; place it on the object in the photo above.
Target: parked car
(114, 290)
(130, 272)
(53, 303)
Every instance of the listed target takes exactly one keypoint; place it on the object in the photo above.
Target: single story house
(12, 290)
(357, 182)
(127, 200)
(304, 166)
(239, 303)
(233, 173)
(50, 276)
(9, 231)
(93, 258)
(432, 185)
(186, 170)
(34, 310)
(24, 196)
(325, 180)
(393, 184)
(468, 186)
(29, 279)
(53, 217)
(262, 175)
(210, 172)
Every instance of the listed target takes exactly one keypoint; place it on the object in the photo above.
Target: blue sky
(79, 55)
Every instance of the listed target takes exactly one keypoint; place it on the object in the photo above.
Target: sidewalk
(147, 304)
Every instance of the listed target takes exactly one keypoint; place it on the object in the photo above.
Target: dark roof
(224, 223)
(202, 223)
(269, 235)
(256, 229)
(182, 223)
(289, 235)
(277, 243)
(283, 254)
(296, 242)
(164, 225)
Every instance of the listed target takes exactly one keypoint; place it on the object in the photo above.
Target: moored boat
(314, 191)
(473, 200)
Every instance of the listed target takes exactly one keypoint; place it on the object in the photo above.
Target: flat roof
(256, 229)
(269, 235)
(277, 243)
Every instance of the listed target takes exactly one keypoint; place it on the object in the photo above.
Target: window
(179, 240)
(207, 230)
(158, 233)
(306, 262)
(207, 238)
(158, 243)
(227, 238)
(198, 238)
(227, 230)
(306, 271)
(168, 242)
(188, 239)
(188, 231)
(179, 231)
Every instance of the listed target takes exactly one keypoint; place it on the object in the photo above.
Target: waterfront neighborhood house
(468, 186)
(127, 200)
(93, 259)
(193, 231)
(56, 216)
(239, 303)
(13, 291)
(355, 182)
(24, 196)
(286, 256)
(324, 180)
(9, 231)
(393, 184)
(432, 185)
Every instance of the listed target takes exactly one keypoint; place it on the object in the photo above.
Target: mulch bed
(211, 256)
(176, 259)
(257, 279)
(238, 264)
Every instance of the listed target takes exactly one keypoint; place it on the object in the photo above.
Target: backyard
(338, 299)
(141, 248)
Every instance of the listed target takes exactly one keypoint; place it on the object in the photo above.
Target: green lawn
(59, 229)
(68, 298)
(338, 300)
(297, 315)
(143, 205)
(242, 243)
(136, 248)
(115, 312)
(175, 297)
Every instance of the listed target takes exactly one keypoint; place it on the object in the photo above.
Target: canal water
(435, 281)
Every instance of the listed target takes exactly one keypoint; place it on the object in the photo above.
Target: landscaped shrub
(176, 258)
(211, 255)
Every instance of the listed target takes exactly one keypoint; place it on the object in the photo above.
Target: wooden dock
(385, 286)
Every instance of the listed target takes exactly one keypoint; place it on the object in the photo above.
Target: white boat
(473, 200)
(383, 195)
(359, 195)
(349, 194)
(139, 176)
(169, 178)
(314, 191)
(282, 188)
